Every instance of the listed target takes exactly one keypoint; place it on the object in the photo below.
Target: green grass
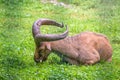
(17, 44)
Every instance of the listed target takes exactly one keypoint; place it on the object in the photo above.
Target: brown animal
(85, 48)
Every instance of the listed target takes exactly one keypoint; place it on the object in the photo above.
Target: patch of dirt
(55, 2)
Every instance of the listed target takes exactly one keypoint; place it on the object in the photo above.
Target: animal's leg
(70, 61)
(110, 59)
(90, 57)
(90, 62)
(95, 57)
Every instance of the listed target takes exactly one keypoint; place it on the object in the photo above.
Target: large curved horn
(47, 37)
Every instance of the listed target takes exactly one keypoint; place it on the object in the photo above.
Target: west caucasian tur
(85, 48)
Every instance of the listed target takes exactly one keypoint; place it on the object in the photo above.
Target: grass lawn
(17, 44)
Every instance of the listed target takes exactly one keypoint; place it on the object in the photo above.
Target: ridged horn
(47, 37)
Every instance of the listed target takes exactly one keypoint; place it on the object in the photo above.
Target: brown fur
(85, 48)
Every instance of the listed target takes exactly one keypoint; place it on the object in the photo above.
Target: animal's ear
(48, 47)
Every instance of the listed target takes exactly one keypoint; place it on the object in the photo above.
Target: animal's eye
(40, 53)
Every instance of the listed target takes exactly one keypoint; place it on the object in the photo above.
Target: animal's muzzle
(38, 60)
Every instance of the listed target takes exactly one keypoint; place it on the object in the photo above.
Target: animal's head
(42, 52)
(42, 41)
